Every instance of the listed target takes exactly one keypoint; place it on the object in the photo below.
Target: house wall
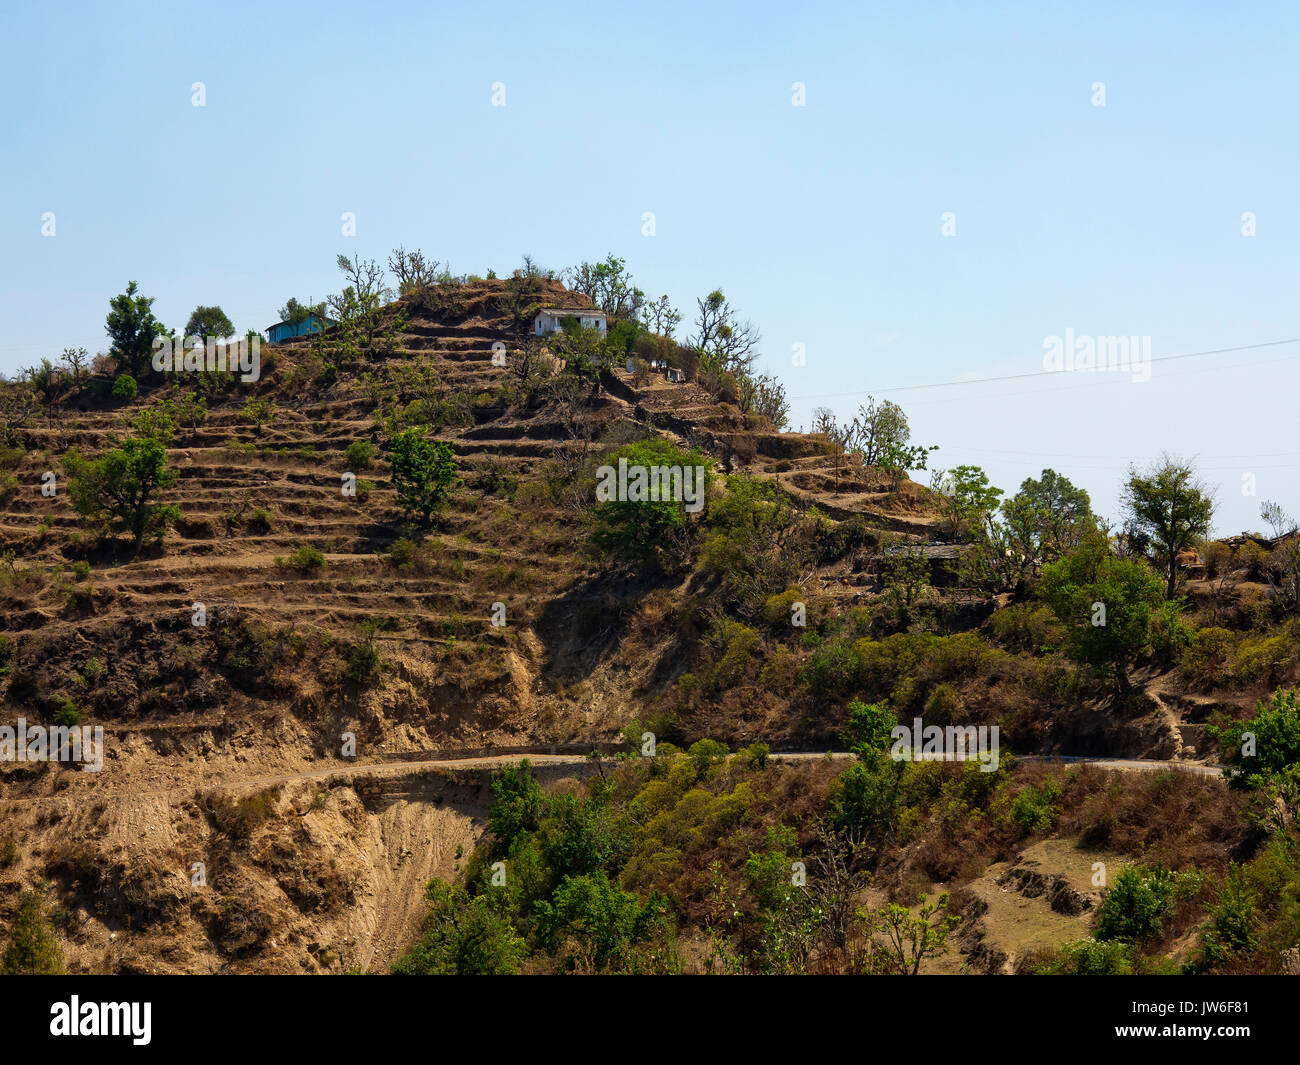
(546, 323)
(283, 331)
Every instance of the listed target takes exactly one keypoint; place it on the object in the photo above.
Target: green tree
(721, 338)
(1168, 507)
(868, 727)
(118, 490)
(258, 412)
(32, 949)
(463, 936)
(1134, 908)
(878, 428)
(609, 286)
(1265, 746)
(901, 940)
(1048, 518)
(132, 328)
(516, 804)
(424, 471)
(600, 919)
(638, 528)
(1106, 604)
(209, 322)
(866, 798)
(295, 313)
(967, 501)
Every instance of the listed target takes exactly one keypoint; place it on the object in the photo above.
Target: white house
(549, 318)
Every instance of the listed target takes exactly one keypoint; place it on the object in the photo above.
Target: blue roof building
(285, 330)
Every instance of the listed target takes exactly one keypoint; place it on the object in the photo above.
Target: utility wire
(1041, 373)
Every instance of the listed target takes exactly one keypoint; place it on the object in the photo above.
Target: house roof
(327, 321)
(590, 312)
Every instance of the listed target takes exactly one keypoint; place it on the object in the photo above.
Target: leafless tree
(412, 270)
(721, 337)
(661, 317)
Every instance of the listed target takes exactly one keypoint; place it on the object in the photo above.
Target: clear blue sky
(822, 223)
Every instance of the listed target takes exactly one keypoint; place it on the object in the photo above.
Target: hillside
(305, 693)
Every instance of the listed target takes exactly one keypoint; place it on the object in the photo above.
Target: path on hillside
(543, 756)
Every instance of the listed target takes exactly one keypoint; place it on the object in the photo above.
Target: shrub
(1027, 627)
(868, 796)
(403, 551)
(1133, 910)
(737, 645)
(424, 472)
(1207, 656)
(1034, 809)
(1088, 957)
(1265, 746)
(125, 388)
(778, 609)
(831, 671)
(66, 713)
(463, 936)
(707, 753)
(362, 661)
(1234, 919)
(307, 558)
(1169, 634)
(868, 726)
(32, 948)
(516, 805)
(359, 454)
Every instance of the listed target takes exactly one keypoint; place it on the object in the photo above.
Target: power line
(1042, 373)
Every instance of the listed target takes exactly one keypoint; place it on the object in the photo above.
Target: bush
(831, 671)
(307, 558)
(32, 948)
(67, 713)
(463, 936)
(1034, 809)
(1265, 746)
(125, 388)
(1088, 957)
(1169, 634)
(361, 661)
(1027, 627)
(516, 805)
(359, 454)
(424, 472)
(778, 609)
(402, 552)
(1207, 656)
(868, 726)
(1234, 919)
(1133, 910)
(707, 753)
(868, 796)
